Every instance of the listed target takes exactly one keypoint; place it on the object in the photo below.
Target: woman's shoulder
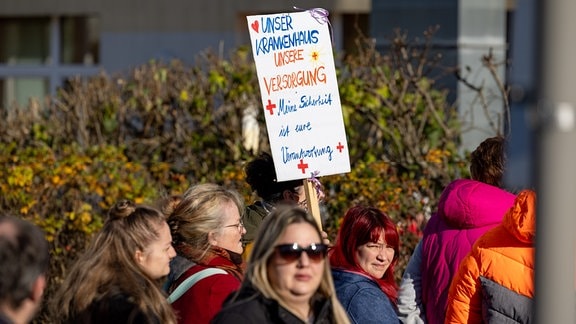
(204, 288)
(116, 307)
(347, 277)
(253, 216)
(253, 307)
(211, 275)
(249, 309)
(351, 285)
(257, 208)
(365, 302)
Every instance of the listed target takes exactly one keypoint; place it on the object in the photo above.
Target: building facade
(43, 43)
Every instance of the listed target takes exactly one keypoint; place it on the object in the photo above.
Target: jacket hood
(468, 203)
(520, 220)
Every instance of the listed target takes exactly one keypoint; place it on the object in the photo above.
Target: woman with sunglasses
(363, 260)
(207, 231)
(288, 276)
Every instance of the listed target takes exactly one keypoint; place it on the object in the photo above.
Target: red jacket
(204, 300)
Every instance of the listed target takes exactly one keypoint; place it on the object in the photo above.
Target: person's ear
(212, 238)
(38, 288)
(288, 195)
(139, 256)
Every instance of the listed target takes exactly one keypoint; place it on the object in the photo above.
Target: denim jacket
(362, 298)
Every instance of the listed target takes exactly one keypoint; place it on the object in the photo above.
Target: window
(79, 37)
(21, 90)
(24, 41)
(38, 53)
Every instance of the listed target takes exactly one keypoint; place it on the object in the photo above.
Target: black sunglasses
(292, 252)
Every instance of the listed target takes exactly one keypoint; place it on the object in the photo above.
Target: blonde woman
(207, 230)
(288, 277)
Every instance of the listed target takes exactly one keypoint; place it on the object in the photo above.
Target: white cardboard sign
(299, 89)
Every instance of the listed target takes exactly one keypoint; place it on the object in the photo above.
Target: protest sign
(299, 89)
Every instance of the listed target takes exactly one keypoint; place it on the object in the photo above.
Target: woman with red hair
(363, 261)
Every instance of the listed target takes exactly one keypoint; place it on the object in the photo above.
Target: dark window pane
(80, 40)
(24, 40)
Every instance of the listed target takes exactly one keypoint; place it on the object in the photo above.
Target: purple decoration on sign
(317, 185)
(321, 16)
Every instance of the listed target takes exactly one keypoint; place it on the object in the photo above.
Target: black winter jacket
(252, 307)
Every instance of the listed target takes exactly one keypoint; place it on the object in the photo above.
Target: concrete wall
(468, 30)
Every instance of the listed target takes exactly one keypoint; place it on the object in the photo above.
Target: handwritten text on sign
(297, 77)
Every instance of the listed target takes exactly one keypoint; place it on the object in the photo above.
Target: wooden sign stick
(312, 201)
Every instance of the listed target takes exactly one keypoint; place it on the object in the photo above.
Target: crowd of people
(205, 257)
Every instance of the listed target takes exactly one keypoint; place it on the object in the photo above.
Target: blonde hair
(198, 212)
(110, 263)
(273, 226)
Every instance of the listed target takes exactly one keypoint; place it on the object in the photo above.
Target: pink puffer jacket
(466, 210)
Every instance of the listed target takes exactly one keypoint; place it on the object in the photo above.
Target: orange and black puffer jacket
(495, 281)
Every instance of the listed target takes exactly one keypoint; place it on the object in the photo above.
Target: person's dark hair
(360, 226)
(24, 256)
(487, 161)
(261, 176)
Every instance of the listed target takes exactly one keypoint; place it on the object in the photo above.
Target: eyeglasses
(292, 252)
(239, 226)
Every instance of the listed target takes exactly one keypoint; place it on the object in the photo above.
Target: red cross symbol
(303, 166)
(340, 147)
(270, 107)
